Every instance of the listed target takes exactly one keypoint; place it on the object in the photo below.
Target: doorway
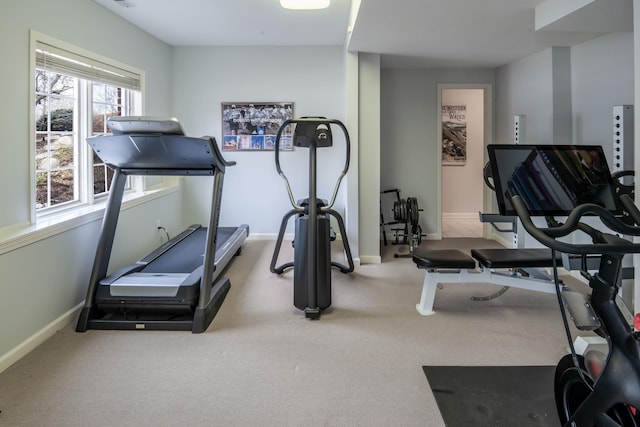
(465, 124)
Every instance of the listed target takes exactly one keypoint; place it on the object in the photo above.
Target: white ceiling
(408, 33)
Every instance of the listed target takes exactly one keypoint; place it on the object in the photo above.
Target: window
(74, 95)
(107, 101)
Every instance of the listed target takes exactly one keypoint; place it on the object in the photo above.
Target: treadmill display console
(551, 179)
(121, 125)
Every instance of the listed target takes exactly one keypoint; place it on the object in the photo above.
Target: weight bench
(455, 266)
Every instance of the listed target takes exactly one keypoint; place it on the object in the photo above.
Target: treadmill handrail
(217, 154)
(154, 146)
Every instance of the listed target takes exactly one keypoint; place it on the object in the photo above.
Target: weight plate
(405, 212)
(396, 210)
(413, 210)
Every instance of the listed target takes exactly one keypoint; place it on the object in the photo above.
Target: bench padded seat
(442, 258)
(514, 258)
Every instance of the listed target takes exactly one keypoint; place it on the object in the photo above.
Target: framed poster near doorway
(454, 135)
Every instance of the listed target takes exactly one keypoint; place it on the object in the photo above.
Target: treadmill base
(91, 318)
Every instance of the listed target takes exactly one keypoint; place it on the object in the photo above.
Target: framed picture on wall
(454, 135)
(253, 126)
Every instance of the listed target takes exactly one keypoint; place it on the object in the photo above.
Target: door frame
(487, 197)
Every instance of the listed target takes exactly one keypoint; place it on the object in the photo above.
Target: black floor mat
(489, 396)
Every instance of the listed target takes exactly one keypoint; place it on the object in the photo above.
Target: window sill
(18, 236)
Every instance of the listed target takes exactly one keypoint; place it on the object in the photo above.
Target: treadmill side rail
(147, 284)
(169, 244)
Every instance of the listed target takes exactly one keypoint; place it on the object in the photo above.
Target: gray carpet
(262, 363)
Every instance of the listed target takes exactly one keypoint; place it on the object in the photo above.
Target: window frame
(90, 202)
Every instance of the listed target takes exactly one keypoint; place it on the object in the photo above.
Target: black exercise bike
(574, 182)
(592, 390)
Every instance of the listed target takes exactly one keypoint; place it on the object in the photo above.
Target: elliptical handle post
(346, 163)
(292, 199)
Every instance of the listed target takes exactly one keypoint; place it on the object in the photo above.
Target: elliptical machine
(313, 234)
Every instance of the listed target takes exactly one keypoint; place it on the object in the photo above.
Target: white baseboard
(274, 236)
(267, 236)
(370, 259)
(8, 359)
(472, 215)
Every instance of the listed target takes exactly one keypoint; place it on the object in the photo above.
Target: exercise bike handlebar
(319, 120)
(603, 242)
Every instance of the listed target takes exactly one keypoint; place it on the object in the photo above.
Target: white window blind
(52, 58)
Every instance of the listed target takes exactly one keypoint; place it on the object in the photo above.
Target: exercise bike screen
(551, 179)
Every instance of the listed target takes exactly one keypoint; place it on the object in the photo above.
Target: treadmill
(179, 285)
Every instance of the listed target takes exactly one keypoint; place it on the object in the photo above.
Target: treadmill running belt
(181, 258)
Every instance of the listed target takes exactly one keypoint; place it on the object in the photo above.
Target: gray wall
(586, 80)
(598, 85)
(525, 87)
(44, 280)
(567, 94)
(409, 147)
(313, 78)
